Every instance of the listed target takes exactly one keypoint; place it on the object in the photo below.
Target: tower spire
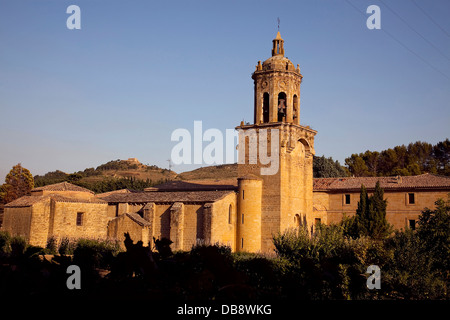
(278, 45)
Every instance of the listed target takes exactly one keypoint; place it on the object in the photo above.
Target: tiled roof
(27, 201)
(423, 181)
(62, 186)
(170, 196)
(100, 195)
(60, 198)
(196, 185)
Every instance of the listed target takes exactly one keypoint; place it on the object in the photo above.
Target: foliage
(52, 245)
(94, 253)
(66, 246)
(370, 219)
(321, 266)
(416, 158)
(324, 264)
(434, 233)
(101, 184)
(328, 168)
(409, 274)
(5, 248)
(18, 183)
(111, 184)
(50, 178)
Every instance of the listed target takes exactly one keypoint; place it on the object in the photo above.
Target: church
(243, 213)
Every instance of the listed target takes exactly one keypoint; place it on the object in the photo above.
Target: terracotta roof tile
(28, 201)
(171, 196)
(196, 185)
(62, 186)
(104, 194)
(423, 181)
(25, 201)
(60, 198)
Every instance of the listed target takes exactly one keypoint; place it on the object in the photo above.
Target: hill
(131, 174)
(113, 175)
(219, 172)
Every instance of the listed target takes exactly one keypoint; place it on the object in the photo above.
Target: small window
(242, 242)
(229, 213)
(79, 218)
(347, 199)
(412, 224)
(411, 198)
(243, 195)
(242, 218)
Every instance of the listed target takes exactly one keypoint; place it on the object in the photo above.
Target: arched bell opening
(281, 107)
(266, 113)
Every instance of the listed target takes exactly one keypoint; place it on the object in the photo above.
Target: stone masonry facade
(243, 213)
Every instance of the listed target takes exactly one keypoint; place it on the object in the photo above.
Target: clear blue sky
(137, 70)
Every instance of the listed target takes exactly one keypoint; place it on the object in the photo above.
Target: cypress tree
(380, 226)
(361, 212)
(371, 214)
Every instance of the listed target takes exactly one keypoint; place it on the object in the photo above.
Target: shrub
(409, 273)
(5, 248)
(51, 246)
(66, 246)
(95, 253)
(18, 245)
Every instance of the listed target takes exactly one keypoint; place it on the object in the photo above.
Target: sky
(137, 70)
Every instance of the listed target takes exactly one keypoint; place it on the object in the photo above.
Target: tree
(18, 182)
(328, 168)
(416, 158)
(434, 232)
(357, 166)
(441, 153)
(370, 219)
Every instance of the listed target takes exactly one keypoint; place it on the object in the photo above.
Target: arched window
(281, 106)
(295, 107)
(266, 107)
(230, 212)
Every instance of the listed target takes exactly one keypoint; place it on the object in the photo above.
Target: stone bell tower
(287, 193)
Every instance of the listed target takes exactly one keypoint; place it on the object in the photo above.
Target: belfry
(287, 195)
(273, 189)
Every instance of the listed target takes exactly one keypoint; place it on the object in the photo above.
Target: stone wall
(94, 220)
(331, 207)
(117, 228)
(224, 219)
(17, 221)
(42, 213)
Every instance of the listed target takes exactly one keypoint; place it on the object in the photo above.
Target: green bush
(409, 273)
(18, 245)
(66, 246)
(5, 247)
(95, 253)
(52, 245)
